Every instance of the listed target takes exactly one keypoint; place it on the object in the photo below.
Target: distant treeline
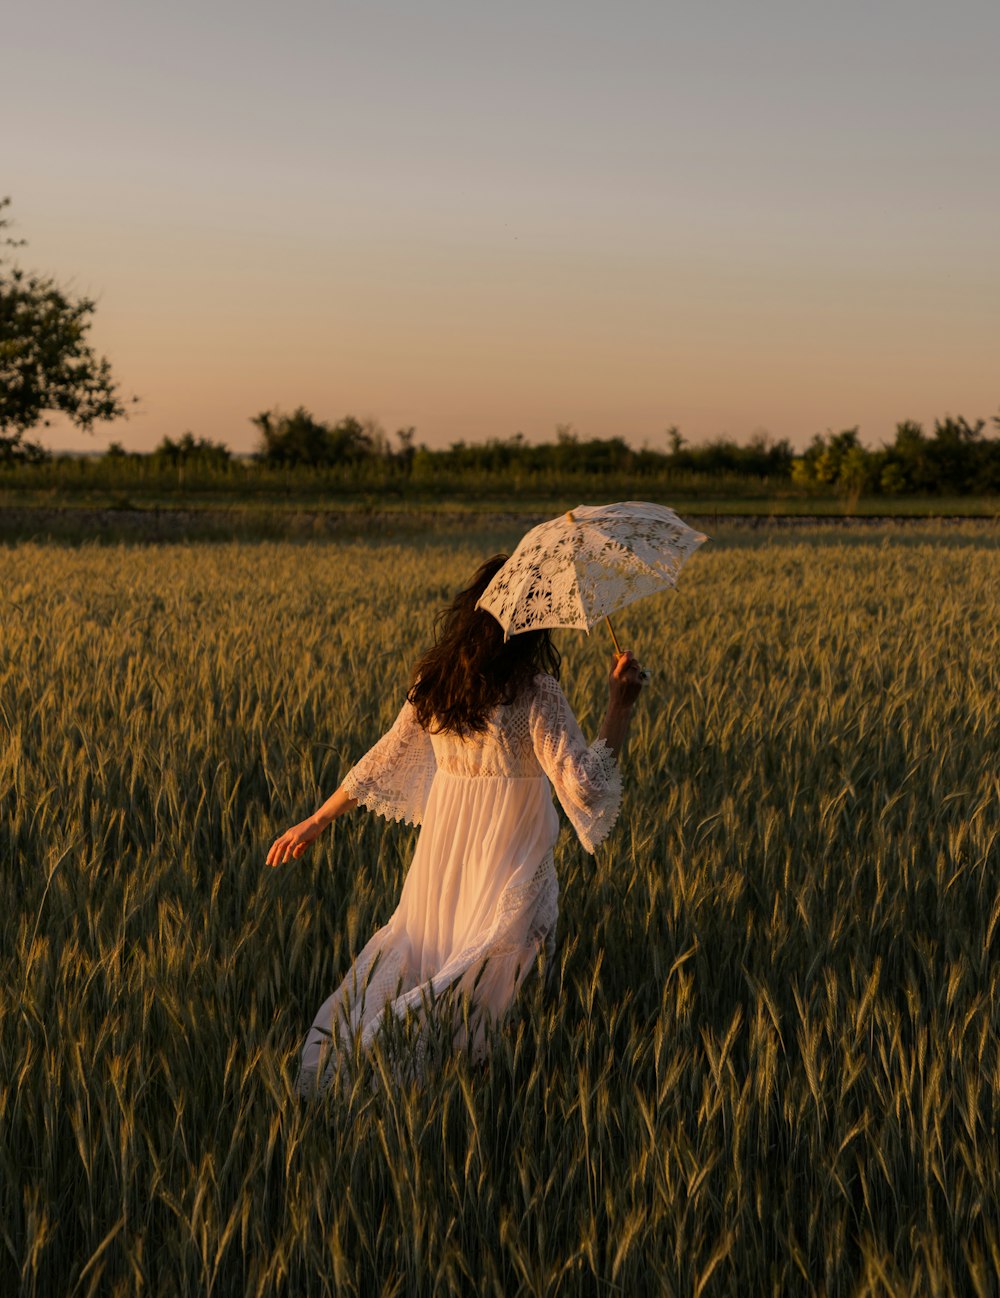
(955, 458)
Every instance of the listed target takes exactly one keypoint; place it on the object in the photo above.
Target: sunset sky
(483, 218)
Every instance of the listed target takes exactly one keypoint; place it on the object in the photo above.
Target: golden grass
(768, 1062)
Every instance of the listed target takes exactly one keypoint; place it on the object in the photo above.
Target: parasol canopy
(587, 564)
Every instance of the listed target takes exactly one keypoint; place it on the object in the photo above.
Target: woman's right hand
(293, 842)
(626, 681)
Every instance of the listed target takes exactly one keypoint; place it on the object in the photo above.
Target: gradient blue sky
(483, 218)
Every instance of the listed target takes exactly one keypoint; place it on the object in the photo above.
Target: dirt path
(154, 524)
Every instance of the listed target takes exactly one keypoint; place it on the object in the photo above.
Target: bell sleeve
(394, 778)
(587, 780)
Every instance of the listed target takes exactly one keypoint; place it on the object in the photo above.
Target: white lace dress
(480, 898)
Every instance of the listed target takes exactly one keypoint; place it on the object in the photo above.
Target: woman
(485, 727)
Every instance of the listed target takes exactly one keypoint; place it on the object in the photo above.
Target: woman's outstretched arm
(393, 778)
(293, 842)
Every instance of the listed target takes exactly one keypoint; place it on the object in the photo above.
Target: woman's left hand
(293, 842)
(626, 680)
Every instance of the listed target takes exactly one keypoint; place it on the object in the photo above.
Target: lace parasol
(588, 563)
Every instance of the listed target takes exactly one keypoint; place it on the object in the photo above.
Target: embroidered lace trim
(587, 780)
(394, 777)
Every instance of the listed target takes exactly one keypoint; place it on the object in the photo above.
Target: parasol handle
(644, 674)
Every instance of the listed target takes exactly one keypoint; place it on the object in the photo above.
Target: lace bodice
(535, 736)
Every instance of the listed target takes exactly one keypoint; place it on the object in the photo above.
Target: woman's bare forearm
(614, 729)
(336, 804)
(624, 686)
(298, 839)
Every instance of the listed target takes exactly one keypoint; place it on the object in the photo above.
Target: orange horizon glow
(488, 223)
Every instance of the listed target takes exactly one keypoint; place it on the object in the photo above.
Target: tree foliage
(299, 438)
(46, 363)
(956, 459)
(188, 449)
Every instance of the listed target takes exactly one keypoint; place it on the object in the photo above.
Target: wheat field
(766, 1060)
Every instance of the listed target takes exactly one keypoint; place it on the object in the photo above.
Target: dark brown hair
(470, 668)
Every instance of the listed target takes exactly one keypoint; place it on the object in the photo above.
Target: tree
(349, 440)
(824, 460)
(190, 449)
(955, 453)
(46, 363)
(299, 438)
(375, 435)
(199, 452)
(406, 452)
(564, 455)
